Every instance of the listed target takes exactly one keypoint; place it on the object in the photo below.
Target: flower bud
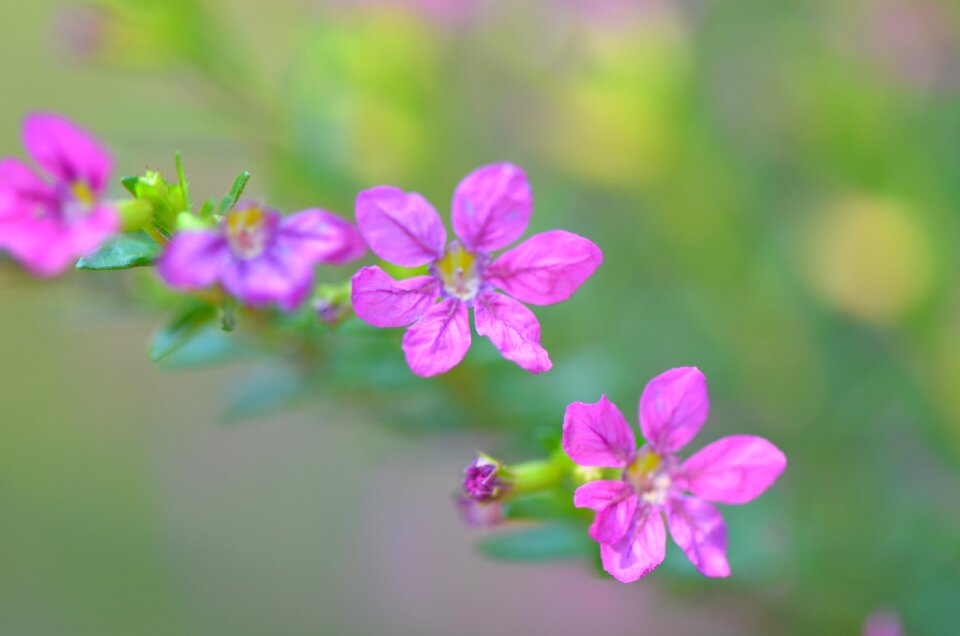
(482, 480)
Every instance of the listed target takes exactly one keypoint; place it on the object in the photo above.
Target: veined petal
(400, 227)
(491, 207)
(438, 341)
(384, 302)
(546, 268)
(66, 151)
(673, 407)
(641, 549)
(598, 494)
(698, 528)
(513, 329)
(598, 435)
(321, 237)
(734, 469)
(194, 259)
(615, 503)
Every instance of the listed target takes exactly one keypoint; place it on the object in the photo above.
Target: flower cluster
(242, 253)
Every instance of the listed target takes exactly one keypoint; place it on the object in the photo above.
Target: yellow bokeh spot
(869, 257)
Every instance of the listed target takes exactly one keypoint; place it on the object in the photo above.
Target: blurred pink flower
(629, 524)
(491, 209)
(883, 622)
(259, 256)
(48, 224)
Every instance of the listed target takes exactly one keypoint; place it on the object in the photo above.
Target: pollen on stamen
(249, 231)
(459, 271)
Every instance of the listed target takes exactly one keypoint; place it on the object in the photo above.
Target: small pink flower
(47, 225)
(629, 524)
(883, 622)
(491, 209)
(259, 256)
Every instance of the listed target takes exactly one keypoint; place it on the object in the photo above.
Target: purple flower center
(651, 476)
(70, 202)
(480, 481)
(250, 231)
(460, 272)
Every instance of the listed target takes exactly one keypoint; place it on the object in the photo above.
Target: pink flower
(491, 208)
(258, 256)
(629, 522)
(48, 224)
(883, 622)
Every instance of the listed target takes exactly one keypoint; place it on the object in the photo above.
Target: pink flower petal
(734, 469)
(21, 189)
(546, 268)
(513, 329)
(597, 435)
(615, 504)
(321, 237)
(65, 151)
(400, 227)
(698, 528)
(640, 550)
(491, 207)
(438, 341)
(48, 247)
(598, 494)
(269, 278)
(384, 302)
(673, 407)
(194, 259)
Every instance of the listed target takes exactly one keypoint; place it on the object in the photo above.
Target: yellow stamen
(455, 261)
(82, 193)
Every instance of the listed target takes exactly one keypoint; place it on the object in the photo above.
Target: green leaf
(540, 506)
(235, 191)
(182, 181)
(265, 392)
(130, 183)
(206, 210)
(185, 324)
(135, 250)
(209, 346)
(543, 543)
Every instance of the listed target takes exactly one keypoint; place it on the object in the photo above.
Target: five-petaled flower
(629, 525)
(259, 256)
(491, 209)
(47, 225)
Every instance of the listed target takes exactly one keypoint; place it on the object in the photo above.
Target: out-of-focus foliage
(775, 187)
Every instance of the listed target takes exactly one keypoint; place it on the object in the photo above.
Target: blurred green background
(776, 189)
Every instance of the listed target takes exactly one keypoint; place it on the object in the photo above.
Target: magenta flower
(258, 256)
(629, 525)
(48, 224)
(491, 208)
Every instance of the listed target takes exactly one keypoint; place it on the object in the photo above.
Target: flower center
(459, 271)
(249, 231)
(76, 201)
(650, 477)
